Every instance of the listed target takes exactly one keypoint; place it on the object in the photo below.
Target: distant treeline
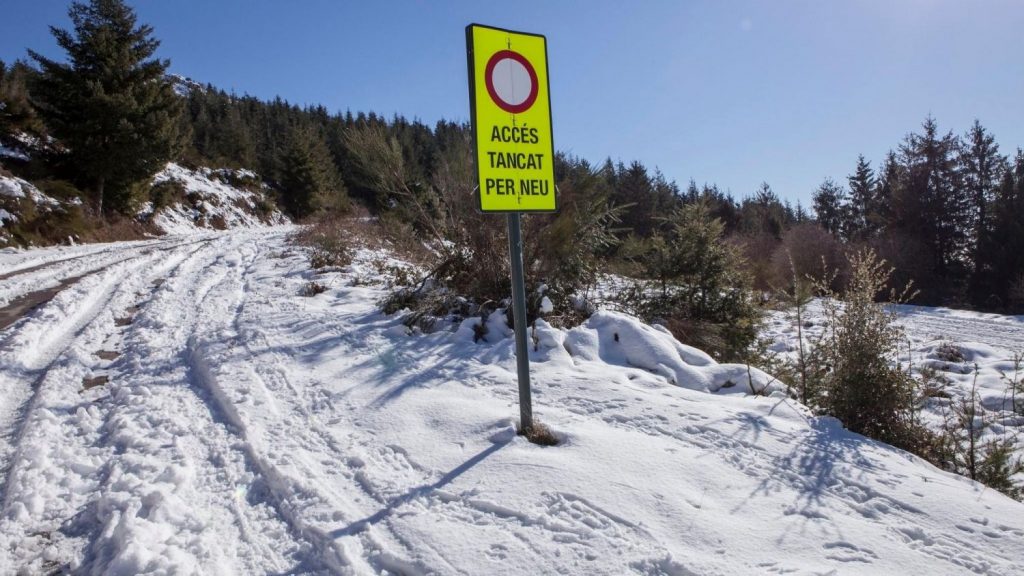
(944, 210)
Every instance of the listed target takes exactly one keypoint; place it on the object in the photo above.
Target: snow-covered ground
(213, 201)
(182, 409)
(964, 350)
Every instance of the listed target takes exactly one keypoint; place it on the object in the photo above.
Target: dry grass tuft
(312, 289)
(540, 434)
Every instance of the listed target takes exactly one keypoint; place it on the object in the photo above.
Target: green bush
(166, 193)
(864, 384)
(694, 282)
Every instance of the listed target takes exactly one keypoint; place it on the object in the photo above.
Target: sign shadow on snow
(364, 523)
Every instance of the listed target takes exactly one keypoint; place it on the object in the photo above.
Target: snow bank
(212, 201)
(622, 340)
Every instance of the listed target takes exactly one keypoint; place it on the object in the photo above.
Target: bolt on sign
(510, 109)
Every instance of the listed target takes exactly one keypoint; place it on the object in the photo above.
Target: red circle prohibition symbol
(514, 108)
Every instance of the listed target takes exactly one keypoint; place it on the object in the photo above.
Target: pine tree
(862, 192)
(932, 206)
(309, 180)
(634, 190)
(16, 113)
(982, 170)
(110, 105)
(829, 206)
(764, 215)
(1007, 244)
(880, 216)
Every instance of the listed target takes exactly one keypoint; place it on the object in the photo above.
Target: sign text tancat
(511, 114)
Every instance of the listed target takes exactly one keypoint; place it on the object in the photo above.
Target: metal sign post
(510, 109)
(515, 253)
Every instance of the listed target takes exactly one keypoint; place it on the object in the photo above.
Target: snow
(617, 339)
(17, 188)
(546, 307)
(247, 429)
(215, 200)
(6, 152)
(987, 343)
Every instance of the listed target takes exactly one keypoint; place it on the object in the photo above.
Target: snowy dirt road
(181, 409)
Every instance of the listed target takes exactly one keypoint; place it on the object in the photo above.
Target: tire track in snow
(178, 494)
(346, 490)
(55, 464)
(290, 448)
(295, 501)
(52, 274)
(925, 325)
(30, 348)
(90, 252)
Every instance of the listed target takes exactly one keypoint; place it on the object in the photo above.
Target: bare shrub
(467, 251)
(117, 229)
(950, 352)
(312, 288)
(757, 248)
(808, 251)
(326, 243)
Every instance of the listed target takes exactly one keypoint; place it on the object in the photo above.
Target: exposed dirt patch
(90, 383)
(24, 304)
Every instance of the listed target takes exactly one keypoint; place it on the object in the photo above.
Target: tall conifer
(862, 190)
(110, 105)
(829, 205)
(982, 168)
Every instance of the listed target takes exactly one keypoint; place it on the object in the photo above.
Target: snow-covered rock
(214, 199)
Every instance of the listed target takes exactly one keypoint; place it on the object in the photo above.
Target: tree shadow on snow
(830, 475)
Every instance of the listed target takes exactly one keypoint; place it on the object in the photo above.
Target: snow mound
(615, 338)
(213, 198)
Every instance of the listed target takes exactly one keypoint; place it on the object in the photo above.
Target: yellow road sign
(511, 115)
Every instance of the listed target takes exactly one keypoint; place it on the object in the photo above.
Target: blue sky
(733, 93)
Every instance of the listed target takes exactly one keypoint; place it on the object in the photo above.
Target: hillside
(182, 200)
(183, 409)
